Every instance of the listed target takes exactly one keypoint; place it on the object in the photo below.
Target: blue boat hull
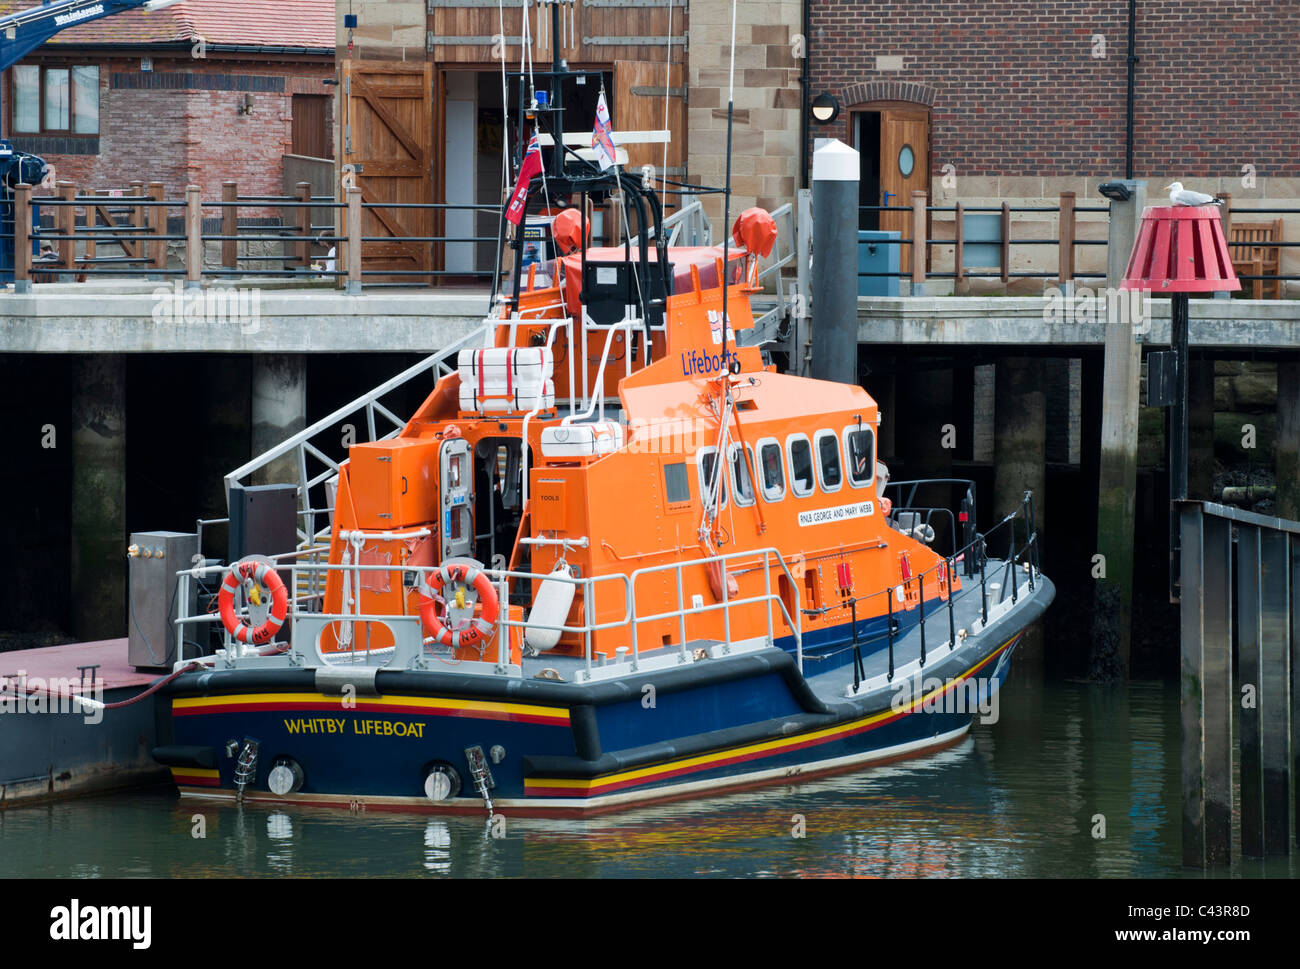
(560, 747)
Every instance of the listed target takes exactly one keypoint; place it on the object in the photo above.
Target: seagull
(1181, 196)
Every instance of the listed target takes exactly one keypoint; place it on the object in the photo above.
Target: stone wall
(765, 134)
(391, 30)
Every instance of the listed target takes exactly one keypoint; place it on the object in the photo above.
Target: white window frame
(762, 486)
(735, 483)
(700, 455)
(818, 437)
(794, 478)
(844, 458)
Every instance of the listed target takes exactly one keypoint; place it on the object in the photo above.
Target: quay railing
(918, 219)
(130, 232)
(920, 246)
(307, 619)
(973, 557)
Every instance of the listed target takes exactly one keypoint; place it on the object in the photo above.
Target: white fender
(550, 608)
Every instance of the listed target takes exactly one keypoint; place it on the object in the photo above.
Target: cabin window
(677, 485)
(741, 485)
(709, 468)
(801, 465)
(860, 446)
(772, 472)
(828, 461)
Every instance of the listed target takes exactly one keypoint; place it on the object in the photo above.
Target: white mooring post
(834, 324)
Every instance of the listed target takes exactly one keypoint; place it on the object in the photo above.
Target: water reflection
(437, 847)
(279, 855)
(1021, 797)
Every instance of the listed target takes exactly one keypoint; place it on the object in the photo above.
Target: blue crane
(24, 31)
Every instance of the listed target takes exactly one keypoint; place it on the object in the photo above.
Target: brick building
(1019, 102)
(994, 102)
(197, 93)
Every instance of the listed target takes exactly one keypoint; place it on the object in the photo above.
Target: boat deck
(830, 674)
(104, 659)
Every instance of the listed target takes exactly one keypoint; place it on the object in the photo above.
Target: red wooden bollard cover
(1181, 249)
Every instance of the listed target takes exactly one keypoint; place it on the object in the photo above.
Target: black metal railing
(1065, 242)
(975, 551)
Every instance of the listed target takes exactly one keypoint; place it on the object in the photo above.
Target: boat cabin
(593, 440)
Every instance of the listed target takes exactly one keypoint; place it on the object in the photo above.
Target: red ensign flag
(531, 166)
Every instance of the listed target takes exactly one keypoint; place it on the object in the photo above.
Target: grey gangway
(1257, 597)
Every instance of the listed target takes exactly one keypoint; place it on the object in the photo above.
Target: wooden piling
(1294, 545)
(1249, 650)
(1065, 260)
(918, 242)
(1117, 475)
(22, 238)
(1206, 690)
(354, 240)
(1288, 439)
(1274, 692)
(193, 238)
(97, 512)
(229, 226)
(304, 226)
(65, 223)
(157, 221)
(959, 287)
(1020, 457)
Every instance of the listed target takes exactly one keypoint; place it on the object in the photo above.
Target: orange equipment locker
(395, 483)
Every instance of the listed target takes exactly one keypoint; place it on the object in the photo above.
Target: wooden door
(904, 167)
(638, 105)
(311, 135)
(388, 135)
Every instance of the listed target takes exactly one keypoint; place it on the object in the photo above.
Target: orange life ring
(264, 575)
(468, 632)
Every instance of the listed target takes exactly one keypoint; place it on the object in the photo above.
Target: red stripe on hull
(598, 789)
(387, 708)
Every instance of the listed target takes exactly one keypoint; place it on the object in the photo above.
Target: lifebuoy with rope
(454, 586)
(260, 575)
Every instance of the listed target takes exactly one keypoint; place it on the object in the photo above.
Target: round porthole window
(906, 161)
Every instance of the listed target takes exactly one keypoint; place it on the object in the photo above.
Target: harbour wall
(125, 413)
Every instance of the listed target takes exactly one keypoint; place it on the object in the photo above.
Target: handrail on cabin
(949, 563)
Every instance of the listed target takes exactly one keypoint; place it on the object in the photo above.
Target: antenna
(726, 202)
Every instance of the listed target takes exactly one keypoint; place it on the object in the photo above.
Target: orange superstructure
(711, 455)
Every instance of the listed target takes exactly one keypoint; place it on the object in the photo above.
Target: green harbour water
(1022, 797)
